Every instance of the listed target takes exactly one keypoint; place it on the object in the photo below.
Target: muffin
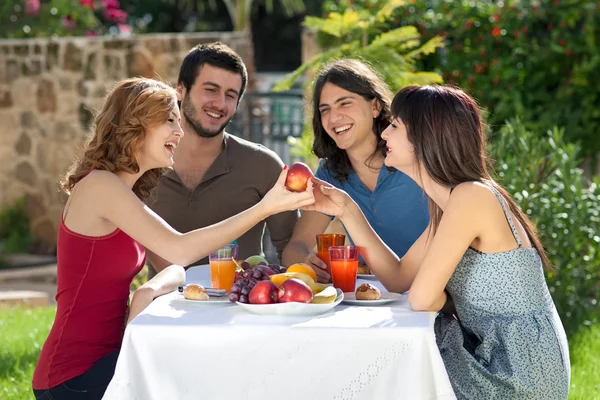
(195, 292)
(366, 291)
(363, 269)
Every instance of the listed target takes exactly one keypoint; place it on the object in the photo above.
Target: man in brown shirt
(216, 175)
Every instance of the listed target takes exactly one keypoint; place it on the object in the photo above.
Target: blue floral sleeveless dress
(508, 341)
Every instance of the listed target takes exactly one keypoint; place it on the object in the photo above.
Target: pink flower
(111, 4)
(68, 22)
(124, 28)
(116, 16)
(32, 8)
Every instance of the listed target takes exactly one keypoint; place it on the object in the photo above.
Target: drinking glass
(222, 267)
(344, 265)
(324, 242)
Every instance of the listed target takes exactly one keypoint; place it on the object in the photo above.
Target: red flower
(468, 24)
(555, 3)
(516, 34)
(563, 42)
(524, 29)
(569, 52)
(117, 16)
(496, 31)
(479, 68)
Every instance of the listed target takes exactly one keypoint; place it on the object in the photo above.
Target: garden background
(530, 64)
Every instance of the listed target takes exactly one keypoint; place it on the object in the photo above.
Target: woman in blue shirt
(351, 108)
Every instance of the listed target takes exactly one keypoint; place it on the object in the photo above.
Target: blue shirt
(397, 209)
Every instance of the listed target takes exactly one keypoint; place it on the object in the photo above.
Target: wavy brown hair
(445, 126)
(129, 110)
(356, 77)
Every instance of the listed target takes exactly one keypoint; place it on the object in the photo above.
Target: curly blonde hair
(131, 107)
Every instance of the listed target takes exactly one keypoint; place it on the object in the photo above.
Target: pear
(255, 260)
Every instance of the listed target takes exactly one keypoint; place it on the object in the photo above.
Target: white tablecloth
(175, 351)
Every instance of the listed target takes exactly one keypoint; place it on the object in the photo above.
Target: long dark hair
(445, 126)
(356, 77)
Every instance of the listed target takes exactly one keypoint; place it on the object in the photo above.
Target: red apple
(297, 177)
(294, 290)
(264, 292)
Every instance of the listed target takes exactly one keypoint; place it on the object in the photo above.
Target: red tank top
(93, 278)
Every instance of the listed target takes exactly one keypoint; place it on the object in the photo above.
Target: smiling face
(400, 151)
(347, 117)
(160, 142)
(210, 103)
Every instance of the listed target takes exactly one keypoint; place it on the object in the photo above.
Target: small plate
(212, 300)
(386, 297)
(369, 277)
(297, 309)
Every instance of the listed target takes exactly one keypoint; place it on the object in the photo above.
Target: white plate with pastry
(211, 301)
(364, 272)
(385, 298)
(196, 294)
(368, 294)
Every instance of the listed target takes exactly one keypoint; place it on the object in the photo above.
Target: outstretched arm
(395, 274)
(116, 203)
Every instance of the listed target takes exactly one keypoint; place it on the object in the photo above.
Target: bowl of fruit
(263, 290)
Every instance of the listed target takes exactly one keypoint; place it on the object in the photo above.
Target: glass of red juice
(344, 265)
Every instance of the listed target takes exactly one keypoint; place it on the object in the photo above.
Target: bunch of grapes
(245, 281)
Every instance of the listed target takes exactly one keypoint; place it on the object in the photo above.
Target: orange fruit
(303, 268)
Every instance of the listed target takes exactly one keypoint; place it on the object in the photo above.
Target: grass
(585, 364)
(22, 333)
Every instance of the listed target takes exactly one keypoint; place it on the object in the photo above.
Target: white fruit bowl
(292, 308)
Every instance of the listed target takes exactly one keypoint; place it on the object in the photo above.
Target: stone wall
(48, 90)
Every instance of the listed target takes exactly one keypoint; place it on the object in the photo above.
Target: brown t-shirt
(237, 180)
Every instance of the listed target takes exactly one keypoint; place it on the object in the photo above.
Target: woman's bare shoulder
(473, 196)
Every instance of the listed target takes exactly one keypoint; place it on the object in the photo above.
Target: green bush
(533, 59)
(542, 174)
(15, 236)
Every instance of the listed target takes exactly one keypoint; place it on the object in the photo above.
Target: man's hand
(319, 266)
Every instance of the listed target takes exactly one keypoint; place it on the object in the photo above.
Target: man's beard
(189, 111)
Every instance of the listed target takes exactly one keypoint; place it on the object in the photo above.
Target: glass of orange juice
(344, 265)
(324, 242)
(222, 267)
